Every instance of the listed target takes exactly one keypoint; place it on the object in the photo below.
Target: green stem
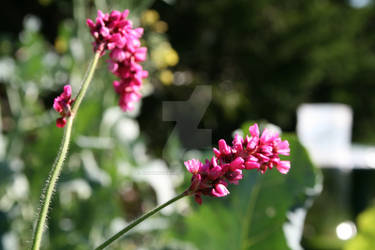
(86, 82)
(139, 220)
(57, 166)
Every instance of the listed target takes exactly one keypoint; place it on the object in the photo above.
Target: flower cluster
(115, 32)
(255, 152)
(62, 104)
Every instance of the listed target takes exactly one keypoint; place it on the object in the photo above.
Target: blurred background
(305, 66)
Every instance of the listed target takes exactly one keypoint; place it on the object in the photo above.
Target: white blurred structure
(363, 156)
(325, 130)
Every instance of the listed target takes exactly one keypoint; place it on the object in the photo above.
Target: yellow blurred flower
(61, 45)
(166, 77)
(171, 58)
(365, 239)
(160, 27)
(164, 55)
(149, 17)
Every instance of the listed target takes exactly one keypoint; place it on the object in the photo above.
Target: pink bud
(193, 165)
(90, 23)
(283, 167)
(223, 147)
(118, 55)
(235, 176)
(214, 173)
(238, 143)
(283, 148)
(140, 54)
(198, 199)
(219, 191)
(67, 91)
(237, 164)
(216, 152)
(62, 104)
(252, 165)
(254, 130)
(60, 122)
(268, 136)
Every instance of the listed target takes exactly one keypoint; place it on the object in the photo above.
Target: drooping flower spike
(256, 152)
(62, 104)
(114, 32)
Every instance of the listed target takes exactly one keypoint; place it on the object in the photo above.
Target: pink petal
(252, 165)
(193, 165)
(254, 130)
(283, 167)
(219, 191)
(237, 164)
(283, 148)
(223, 147)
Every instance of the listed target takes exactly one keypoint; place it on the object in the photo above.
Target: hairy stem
(139, 220)
(57, 166)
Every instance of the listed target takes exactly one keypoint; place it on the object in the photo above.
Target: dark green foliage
(265, 58)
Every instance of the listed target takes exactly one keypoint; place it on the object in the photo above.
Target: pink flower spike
(228, 162)
(115, 32)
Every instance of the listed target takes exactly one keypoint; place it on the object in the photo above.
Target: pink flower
(220, 190)
(110, 30)
(260, 152)
(62, 104)
(193, 166)
(115, 32)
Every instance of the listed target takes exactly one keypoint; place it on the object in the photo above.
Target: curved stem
(57, 166)
(86, 82)
(139, 220)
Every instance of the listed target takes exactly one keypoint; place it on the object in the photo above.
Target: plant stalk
(139, 220)
(57, 166)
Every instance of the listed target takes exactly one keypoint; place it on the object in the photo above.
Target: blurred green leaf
(365, 240)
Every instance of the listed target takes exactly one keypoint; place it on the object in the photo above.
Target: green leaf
(253, 215)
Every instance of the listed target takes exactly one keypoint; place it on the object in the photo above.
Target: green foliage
(254, 214)
(365, 239)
